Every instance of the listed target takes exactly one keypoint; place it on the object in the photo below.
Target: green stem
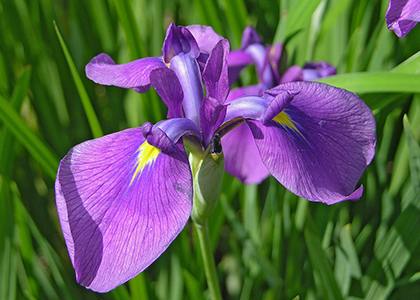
(209, 265)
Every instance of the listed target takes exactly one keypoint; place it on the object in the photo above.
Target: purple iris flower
(402, 16)
(123, 198)
(246, 165)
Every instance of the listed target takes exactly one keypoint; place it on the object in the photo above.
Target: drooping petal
(133, 75)
(320, 144)
(179, 40)
(402, 16)
(167, 85)
(242, 158)
(215, 74)
(121, 202)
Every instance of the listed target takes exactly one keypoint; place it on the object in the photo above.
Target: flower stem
(209, 265)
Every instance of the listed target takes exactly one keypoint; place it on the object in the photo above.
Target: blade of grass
(95, 127)
(375, 82)
(410, 65)
(401, 158)
(324, 277)
(38, 150)
(299, 16)
(414, 154)
(267, 268)
(6, 139)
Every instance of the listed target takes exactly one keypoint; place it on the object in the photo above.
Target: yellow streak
(284, 120)
(147, 154)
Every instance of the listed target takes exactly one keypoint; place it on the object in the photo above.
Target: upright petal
(212, 114)
(215, 73)
(189, 76)
(274, 57)
(402, 16)
(133, 75)
(121, 202)
(179, 40)
(320, 144)
(250, 36)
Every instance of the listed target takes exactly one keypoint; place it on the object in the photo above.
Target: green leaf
(38, 149)
(414, 154)
(324, 277)
(375, 82)
(392, 254)
(7, 139)
(410, 65)
(299, 16)
(87, 105)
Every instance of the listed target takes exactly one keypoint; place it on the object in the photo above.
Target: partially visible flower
(123, 198)
(310, 71)
(253, 51)
(402, 16)
(266, 58)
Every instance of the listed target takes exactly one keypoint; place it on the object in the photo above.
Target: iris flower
(402, 16)
(123, 198)
(247, 164)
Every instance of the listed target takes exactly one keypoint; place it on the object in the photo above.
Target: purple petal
(315, 70)
(237, 61)
(279, 101)
(250, 36)
(274, 56)
(250, 90)
(215, 73)
(178, 127)
(212, 114)
(179, 40)
(402, 16)
(167, 85)
(188, 72)
(205, 37)
(242, 158)
(248, 107)
(319, 146)
(133, 75)
(294, 73)
(121, 202)
(260, 55)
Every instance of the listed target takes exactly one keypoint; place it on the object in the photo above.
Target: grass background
(268, 243)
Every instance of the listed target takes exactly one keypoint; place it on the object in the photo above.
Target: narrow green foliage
(414, 153)
(373, 82)
(38, 149)
(322, 269)
(87, 105)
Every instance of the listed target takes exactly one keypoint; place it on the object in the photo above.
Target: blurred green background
(268, 243)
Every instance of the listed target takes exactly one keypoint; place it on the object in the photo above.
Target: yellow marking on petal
(147, 154)
(284, 120)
